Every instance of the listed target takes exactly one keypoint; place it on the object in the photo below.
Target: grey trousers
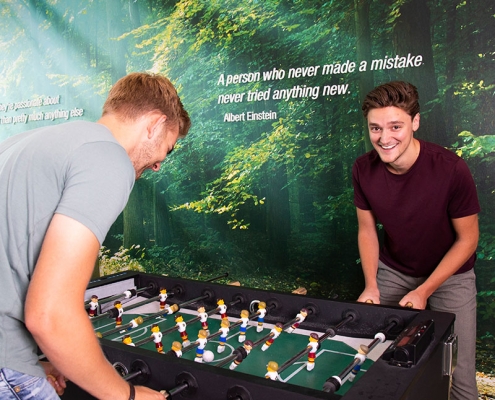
(456, 295)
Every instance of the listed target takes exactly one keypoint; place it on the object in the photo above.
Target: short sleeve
(360, 200)
(464, 198)
(98, 182)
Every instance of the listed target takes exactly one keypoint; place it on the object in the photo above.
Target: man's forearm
(463, 248)
(368, 251)
(454, 259)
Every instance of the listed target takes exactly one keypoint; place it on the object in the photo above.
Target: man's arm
(369, 253)
(467, 234)
(55, 314)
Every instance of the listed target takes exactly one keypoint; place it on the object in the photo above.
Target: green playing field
(331, 358)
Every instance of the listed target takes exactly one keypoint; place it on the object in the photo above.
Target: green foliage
(242, 172)
(476, 146)
(486, 247)
(486, 304)
(124, 260)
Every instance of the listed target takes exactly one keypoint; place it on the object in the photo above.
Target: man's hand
(55, 378)
(414, 299)
(370, 296)
(144, 393)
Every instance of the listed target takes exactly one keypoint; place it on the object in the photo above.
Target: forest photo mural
(261, 188)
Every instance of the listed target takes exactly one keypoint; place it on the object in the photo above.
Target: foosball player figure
(203, 318)
(241, 353)
(354, 372)
(300, 319)
(93, 306)
(361, 355)
(181, 327)
(222, 308)
(275, 333)
(128, 340)
(224, 328)
(170, 309)
(163, 298)
(272, 371)
(176, 349)
(202, 340)
(157, 337)
(313, 348)
(120, 311)
(244, 324)
(261, 315)
(134, 324)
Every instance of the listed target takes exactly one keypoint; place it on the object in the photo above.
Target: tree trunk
(450, 70)
(363, 50)
(412, 35)
(117, 49)
(134, 231)
(162, 226)
(278, 218)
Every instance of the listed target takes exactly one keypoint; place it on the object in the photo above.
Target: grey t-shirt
(77, 169)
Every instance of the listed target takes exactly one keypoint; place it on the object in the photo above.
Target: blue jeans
(18, 386)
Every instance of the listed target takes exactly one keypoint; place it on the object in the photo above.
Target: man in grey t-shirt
(61, 188)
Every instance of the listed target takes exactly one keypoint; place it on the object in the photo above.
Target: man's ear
(155, 123)
(415, 122)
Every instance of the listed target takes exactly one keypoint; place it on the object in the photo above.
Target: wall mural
(261, 188)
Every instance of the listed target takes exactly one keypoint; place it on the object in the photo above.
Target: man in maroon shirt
(425, 198)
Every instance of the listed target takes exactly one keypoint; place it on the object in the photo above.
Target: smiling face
(155, 149)
(391, 133)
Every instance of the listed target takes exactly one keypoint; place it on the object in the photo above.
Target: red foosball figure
(163, 297)
(222, 308)
(300, 319)
(313, 345)
(181, 326)
(203, 318)
(275, 332)
(157, 337)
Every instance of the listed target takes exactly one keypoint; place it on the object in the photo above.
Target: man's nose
(385, 136)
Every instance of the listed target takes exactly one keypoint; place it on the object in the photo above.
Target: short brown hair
(398, 94)
(140, 92)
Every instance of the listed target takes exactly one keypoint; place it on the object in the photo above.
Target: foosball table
(210, 341)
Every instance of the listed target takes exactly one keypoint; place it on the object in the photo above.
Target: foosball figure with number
(163, 298)
(181, 327)
(261, 315)
(203, 318)
(201, 342)
(243, 326)
(157, 337)
(313, 348)
(222, 308)
(274, 333)
(224, 329)
(299, 320)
